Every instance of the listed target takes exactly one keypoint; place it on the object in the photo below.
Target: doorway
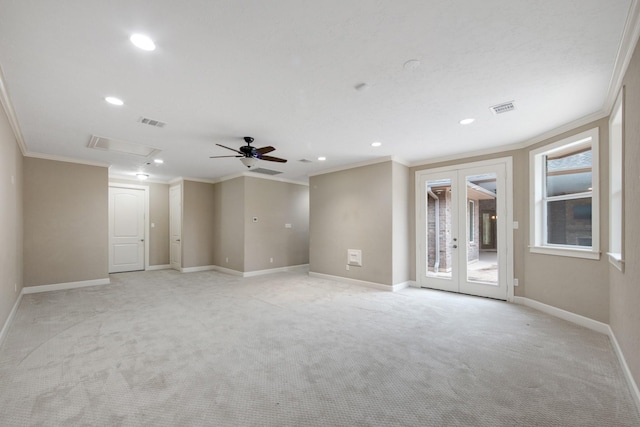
(175, 226)
(462, 218)
(128, 229)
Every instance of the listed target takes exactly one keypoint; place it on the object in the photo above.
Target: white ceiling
(285, 72)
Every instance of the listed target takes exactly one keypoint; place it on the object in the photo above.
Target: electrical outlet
(347, 267)
(15, 287)
(515, 282)
(227, 259)
(271, 260)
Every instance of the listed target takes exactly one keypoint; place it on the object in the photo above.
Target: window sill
(616, 260)
(569, 252)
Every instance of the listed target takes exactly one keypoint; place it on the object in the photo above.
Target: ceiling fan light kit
(249, 155)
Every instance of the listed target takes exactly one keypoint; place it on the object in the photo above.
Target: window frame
(616, 183)
(538, 203)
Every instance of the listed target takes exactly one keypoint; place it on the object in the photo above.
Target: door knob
(455, 246)
(142, 240)
(177, 240)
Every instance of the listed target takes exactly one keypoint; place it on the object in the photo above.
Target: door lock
(455, 246)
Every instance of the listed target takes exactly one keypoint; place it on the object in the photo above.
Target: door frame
(420, 213)
(146, 215)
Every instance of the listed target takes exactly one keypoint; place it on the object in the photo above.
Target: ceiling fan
(250, 155)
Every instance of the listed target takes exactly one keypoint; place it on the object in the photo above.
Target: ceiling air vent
(151, 122)
(265, 171)
(305, 160)
(505, 107)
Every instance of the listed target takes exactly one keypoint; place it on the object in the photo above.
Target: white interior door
(126, 229)
(462, 230)
(175, 226)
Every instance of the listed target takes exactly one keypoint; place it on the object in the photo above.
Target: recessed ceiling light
(113, 100)
(376, 144)
(143, 42)
(158, 161)
(142, 176)
(467, 121)
(322, 158)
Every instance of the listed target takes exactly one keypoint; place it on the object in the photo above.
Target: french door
(462, 230)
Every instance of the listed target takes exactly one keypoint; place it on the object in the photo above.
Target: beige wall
(11, 222)
(625, 287)
(228, 220)
(275, 204)
(400, 222)
(158, 216)
(65, 222)
(352, 209)
(198, 210)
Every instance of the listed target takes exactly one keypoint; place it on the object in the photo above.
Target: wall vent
(505, 107)
(151, 122)
(265, 171)
(305, 160)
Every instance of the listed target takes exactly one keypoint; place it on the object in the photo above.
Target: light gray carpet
(168, 349)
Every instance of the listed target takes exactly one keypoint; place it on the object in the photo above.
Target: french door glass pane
(482, 249)
(439, 238)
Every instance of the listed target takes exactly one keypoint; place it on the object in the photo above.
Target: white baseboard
(9, 321)
(229, 271)
(63, 286)
(196, 269)
(633, 387)
(300, 268)
(594, 325)
(379, 286)
(403, 285)
(159, 267)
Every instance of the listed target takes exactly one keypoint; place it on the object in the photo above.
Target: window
(616, 167)
(565, 203)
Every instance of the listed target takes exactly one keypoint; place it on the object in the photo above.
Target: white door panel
(126, 229)
(175, 227)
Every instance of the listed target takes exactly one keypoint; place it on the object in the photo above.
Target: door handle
(455, 246)
(142, 240)
(177, 240)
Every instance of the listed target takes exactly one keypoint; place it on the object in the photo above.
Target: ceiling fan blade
(273, 159)
(219, 157)
(265, 150)
(228, 148)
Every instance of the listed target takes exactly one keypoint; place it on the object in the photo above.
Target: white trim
(273, 178)
(203, 180)
(586, 322)
(361, 164)
(630, 36)
(616, 260)
(57, 158)
(229, 271)
(174, 181)
(132, 178)
(633, 386)
(7, 324)
(63, 286)
(379, 286)
(5, 100)
(562, 251)
(301, 267)
(196, 269)
(159, 267)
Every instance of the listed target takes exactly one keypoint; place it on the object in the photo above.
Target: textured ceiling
(285, 73)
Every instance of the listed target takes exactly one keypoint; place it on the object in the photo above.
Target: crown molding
(5, 100)
(630, 36)
(66, 159)
(361, 164)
